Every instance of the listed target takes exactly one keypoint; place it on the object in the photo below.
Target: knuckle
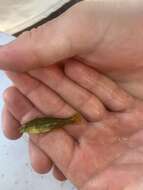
(10, 93)
(93, 108)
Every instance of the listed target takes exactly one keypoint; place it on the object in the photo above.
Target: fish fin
(76, 118)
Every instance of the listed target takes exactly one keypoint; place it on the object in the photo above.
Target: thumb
(59, 39)
(47, 44)
(36, 48)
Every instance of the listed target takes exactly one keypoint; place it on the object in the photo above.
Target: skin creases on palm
(108, 154)
(111, 152)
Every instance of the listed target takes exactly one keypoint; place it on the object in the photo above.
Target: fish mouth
(22, 130)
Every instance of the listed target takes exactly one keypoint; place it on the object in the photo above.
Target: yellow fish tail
(76, 118)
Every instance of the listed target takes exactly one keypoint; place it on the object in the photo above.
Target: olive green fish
(47, 124)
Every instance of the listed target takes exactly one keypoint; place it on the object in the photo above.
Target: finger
(43, 98)
(10, 125)
(63, 141)
(49, 143)
(53, 41)
(58, 174)
(23, 110)
(105, 89)
(45, 49)
(19, 106)
(40, 162)
(79, 98)
(59, 146)
(24, 47)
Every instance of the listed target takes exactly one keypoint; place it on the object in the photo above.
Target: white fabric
(16, 15)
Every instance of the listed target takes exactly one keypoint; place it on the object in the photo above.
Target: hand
(106, 35)
(105, 152)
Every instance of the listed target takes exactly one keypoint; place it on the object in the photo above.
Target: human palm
(104, 151)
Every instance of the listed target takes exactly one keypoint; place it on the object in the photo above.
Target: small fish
(47, 124)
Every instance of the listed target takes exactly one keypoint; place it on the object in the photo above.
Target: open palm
(105, 151)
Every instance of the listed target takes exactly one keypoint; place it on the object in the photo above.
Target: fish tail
(76, 118)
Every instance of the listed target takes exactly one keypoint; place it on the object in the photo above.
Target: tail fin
(76, 118)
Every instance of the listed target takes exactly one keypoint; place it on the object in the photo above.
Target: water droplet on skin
(122, 139)
(125, 139)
